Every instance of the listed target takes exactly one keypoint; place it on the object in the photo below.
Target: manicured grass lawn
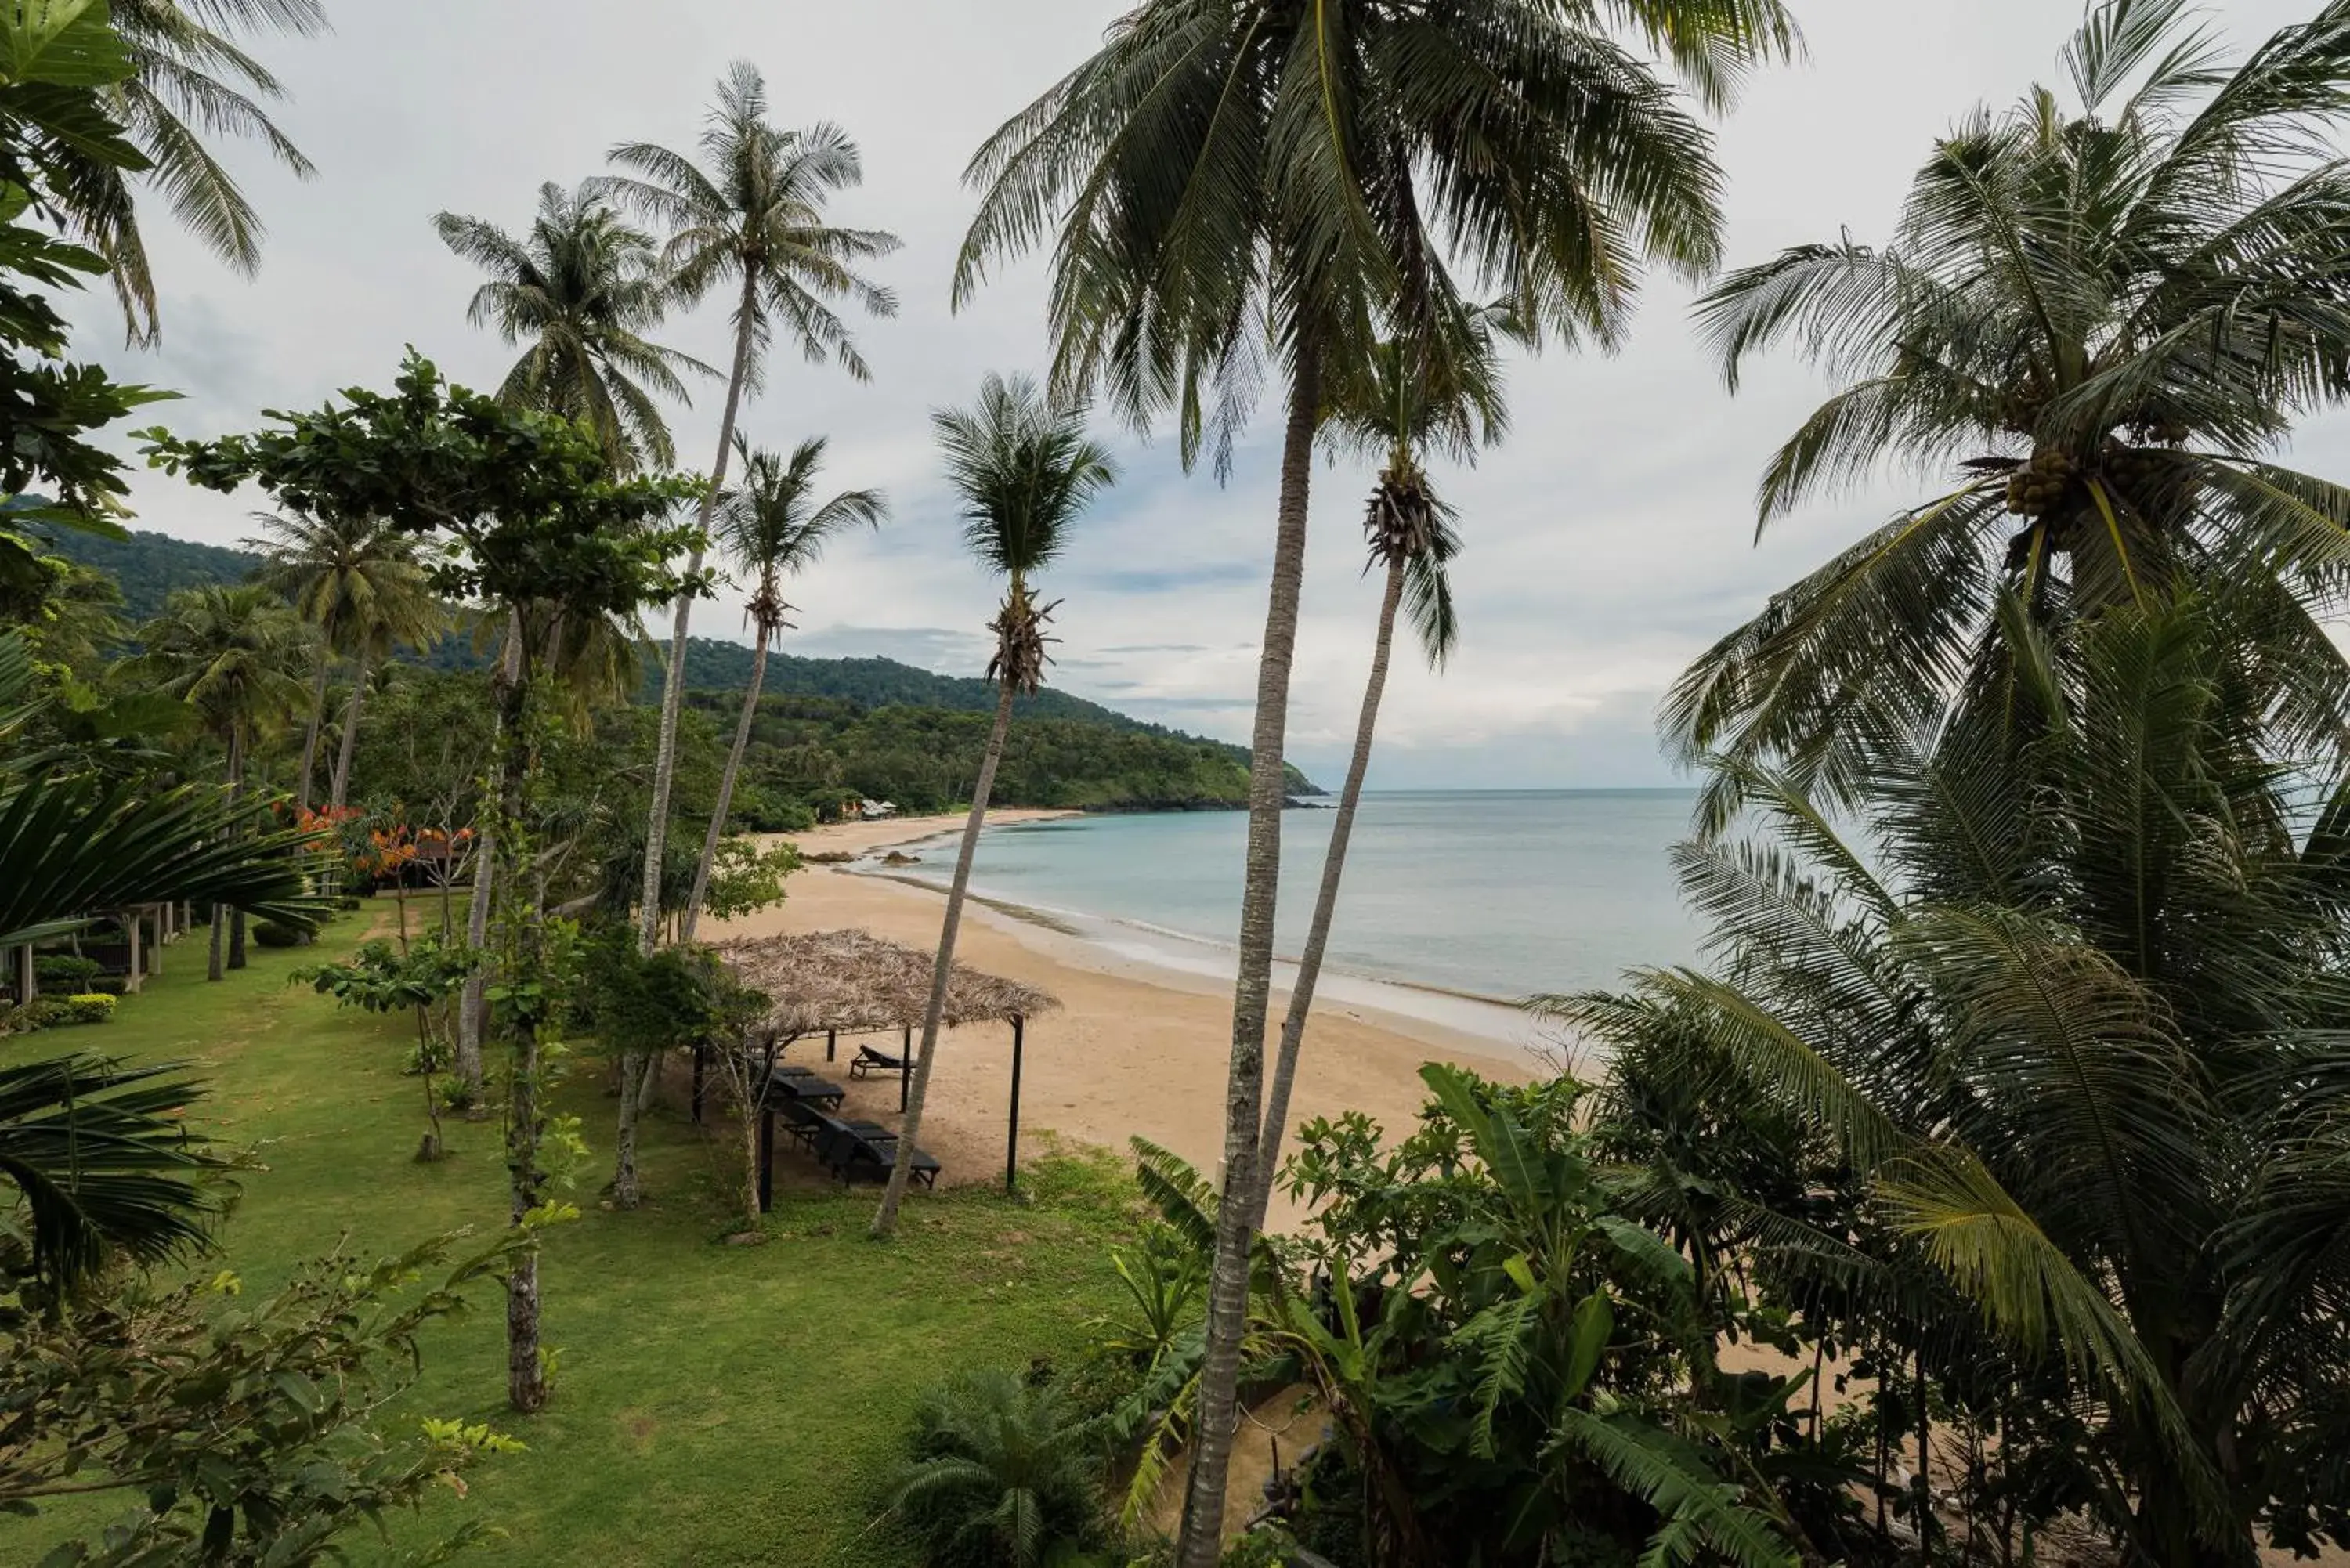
(715, 1404)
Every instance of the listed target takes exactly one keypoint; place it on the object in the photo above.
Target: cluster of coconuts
(2038, 488)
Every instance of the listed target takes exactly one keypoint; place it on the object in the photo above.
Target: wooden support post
(1012, 1143)
(27, 988)
(155, 954)
(906, 1072)
(700, 1055)
(766, 1156)
(831, 1043)
(134, 926)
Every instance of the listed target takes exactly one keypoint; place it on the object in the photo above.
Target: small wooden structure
(852, 982)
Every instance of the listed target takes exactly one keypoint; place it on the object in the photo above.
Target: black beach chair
(869, 1062)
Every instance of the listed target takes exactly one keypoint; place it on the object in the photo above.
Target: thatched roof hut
(854, 983)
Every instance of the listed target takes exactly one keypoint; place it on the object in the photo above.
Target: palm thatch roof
(858, 983)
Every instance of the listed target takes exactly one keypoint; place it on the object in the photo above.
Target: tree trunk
(213, 967)
(470, 1008)
(885, 1220)
(626, 1191)
(236, 798)
(525, 1369)
(1202, 1541)
(1325, 903)
(726, 780)
(318, 719)
(350, 736)
(673, 686)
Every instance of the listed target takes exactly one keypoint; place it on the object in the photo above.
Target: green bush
(1000, 1475)
(41, 1013)
(60, 971)
(90, 1007)
(350, 902)
(270, 934)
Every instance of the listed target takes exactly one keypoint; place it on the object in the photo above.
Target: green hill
(149, 566)
(146, 566)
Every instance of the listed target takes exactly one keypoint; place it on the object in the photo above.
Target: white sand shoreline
(1139, 1047)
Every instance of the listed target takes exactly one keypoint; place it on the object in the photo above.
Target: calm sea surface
(1498, 894)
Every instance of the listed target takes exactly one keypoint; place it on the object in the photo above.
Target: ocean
(1494, 894)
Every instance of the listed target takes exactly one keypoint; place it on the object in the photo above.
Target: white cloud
(1607, 543)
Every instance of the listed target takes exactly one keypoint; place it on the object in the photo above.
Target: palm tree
(190, 78)
(2069, 1015)
(1247, 178)
(1404, 407)
(750, 214)
(2103, 321)
(1025, 472)
(359, 582)
(770, 526)
(238, 656)
(579, 292)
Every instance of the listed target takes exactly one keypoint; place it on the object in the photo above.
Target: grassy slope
(715, 1404)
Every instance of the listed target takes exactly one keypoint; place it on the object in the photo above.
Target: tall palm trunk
(885, 1220)
(673, 686)
(625, 1189)
(236, 797)
(214, 969)
(1325, 902)
(726, 786)
(469, 1009)
(1228, 1281)
(317, 722)
(350, 736)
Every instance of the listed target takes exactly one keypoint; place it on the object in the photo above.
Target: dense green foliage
(2033, 1084)
(147, 566)
(818, 753)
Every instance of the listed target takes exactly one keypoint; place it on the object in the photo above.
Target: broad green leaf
(63, 43)
(1595, 1321)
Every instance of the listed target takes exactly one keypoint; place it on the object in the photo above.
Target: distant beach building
(877, 810)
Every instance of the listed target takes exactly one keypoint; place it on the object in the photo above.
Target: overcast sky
(1607, 543)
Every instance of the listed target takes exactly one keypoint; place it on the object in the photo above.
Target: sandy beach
(1137, 1048)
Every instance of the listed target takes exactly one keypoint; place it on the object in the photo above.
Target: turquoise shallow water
(1492, 893)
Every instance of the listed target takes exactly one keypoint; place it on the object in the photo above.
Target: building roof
(858, 983)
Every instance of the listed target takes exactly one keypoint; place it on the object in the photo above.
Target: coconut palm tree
(1024, 471)
(359, 583)
(751, 216)
(238, 656)
(771, 526)
(2069, 1013)
(1404, 407)
(579, 292)
(1243, 181)
(190, 78)
(2101, 318)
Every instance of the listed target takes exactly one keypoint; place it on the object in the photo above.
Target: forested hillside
(828, 728)
(146, 566)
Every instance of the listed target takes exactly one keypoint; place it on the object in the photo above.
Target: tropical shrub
(58, 971)
(270, 934)
(1515, 1368)
(236, 1430)
(90, 1007)
(999, 1474)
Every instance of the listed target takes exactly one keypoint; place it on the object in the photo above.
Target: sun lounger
(864, 1151)
(869, 1062)
(789, 1089)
